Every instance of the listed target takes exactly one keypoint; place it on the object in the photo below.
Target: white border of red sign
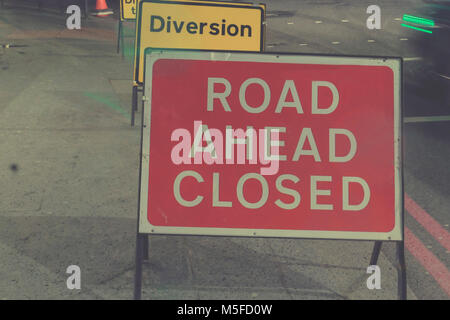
(394, 63)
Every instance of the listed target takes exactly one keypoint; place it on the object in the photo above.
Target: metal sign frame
(394, 63)
(142, 239)
(218, 4)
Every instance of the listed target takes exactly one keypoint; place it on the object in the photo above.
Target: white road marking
(370, 40)
(344, 20)
(318, 21)
(335, 42)
(398, 19)
(290, 23)
(412, 58)
(403, 39)
(426, 119)
(302, 44)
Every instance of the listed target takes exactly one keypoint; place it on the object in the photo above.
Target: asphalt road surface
(70, 159)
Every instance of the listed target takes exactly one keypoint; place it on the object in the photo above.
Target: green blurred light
(416, 28)
(418, 20)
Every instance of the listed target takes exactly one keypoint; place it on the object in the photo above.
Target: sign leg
(138, 268)
(145, 248)
(146, 237)
(119, 34)
(86, 9)
(133, 102)
(141, 90)
(122, 47)
(375, 253)
(401, 270)
(141, 239)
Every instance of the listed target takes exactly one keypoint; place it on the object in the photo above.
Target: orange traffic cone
(101, 9)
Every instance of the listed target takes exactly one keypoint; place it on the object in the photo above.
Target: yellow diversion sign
(197, 25)
(128, 9)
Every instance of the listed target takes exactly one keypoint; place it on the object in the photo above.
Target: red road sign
(330, 168)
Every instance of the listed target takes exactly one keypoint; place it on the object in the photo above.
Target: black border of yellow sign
(241, 5)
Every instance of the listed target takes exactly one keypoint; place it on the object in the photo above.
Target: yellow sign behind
(197, 25)
(128, 9)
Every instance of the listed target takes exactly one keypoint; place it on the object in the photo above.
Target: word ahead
(271, 145)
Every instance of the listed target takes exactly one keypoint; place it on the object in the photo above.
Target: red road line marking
(428, 260)
(428, 222)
